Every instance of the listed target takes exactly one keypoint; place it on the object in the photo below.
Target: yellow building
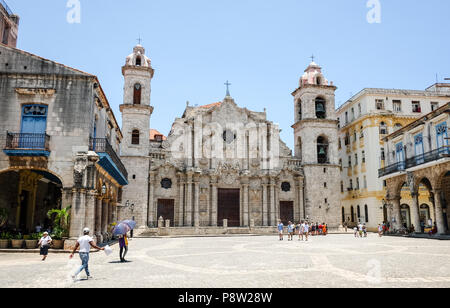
(364, 121)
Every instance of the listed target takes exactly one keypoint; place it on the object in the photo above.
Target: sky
(261, 46)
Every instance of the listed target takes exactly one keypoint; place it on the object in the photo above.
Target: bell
(320, 108)
(322, 151)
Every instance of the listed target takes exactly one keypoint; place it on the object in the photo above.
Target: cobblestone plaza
(246, 262)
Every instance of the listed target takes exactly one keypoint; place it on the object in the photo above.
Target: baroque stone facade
(223, 164)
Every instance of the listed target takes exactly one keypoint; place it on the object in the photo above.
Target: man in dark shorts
(44, 244)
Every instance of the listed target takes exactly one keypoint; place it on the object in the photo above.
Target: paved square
(242, 262)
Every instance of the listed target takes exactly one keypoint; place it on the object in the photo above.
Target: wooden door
(229, 207)
(286, 211)
(166, 210)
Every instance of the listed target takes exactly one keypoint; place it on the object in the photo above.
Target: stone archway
(27, 195)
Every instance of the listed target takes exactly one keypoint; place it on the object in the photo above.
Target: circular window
(286, 186)
(229, 136)
(166, 183)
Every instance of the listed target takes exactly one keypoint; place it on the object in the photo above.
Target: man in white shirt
(44, 244)
(84, 243)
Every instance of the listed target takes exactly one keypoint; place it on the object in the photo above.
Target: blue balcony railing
(416, 161)
(24, 144)
(102, 147)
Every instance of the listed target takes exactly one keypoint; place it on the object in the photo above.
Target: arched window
(322, 150)
(366, 211)
(321, 108)
(299, 104)
(383, 129)
(135, 137)
(352, 210)
(359, 213)
(137, 94)
(319, 80)
(397, 127)
(138, 61)
(343, 215)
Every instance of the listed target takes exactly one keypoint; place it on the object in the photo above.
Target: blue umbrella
(121, 229)
(130, 223)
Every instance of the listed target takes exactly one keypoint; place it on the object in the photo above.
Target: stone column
(98, 220)
(439, 212)
(197, 203)
(77, 213)
(181, 201)
(415, 212)
(245, 188)
(272, 204)
(105, 205)
(300, 200)
(396, 214)
(152, 219)
(90, 211)
(214, 204)
(188, 218)
(265, 212)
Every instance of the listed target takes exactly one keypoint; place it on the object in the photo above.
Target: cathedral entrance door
(166, 210)
(229, 207)
(286, 211)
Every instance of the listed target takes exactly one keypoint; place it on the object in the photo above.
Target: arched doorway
(27, 196)
(446, 200)
(406, 216)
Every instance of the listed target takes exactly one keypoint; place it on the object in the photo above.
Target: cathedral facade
(224, 165)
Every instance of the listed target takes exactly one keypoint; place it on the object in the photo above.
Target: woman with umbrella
(122, 230)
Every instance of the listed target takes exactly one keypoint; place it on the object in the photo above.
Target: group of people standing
(303, 229)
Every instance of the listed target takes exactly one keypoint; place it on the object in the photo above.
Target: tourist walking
(380, 230)
(84, 243)
(280, 230)
(306, 230)
(44, 244)
(291, 228)
(365, 230)
(355, 231)
(300, 231)
(123, 244)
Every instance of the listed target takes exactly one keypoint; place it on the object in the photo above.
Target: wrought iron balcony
(416, 161)
(102, 146)
(25, 144)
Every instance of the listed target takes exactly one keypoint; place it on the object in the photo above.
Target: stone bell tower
(136, 112)
(316, 144)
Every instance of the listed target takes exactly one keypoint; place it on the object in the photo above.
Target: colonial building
(60, 142)
(224, 164)
(365, 120)
(418, 163)
(9, 25)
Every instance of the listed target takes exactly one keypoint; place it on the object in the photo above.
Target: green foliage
(4, 214)
(17, 236)
(58, 233)
(36, 236)
(60, 222)
(5, 236)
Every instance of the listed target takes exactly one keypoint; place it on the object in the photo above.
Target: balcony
(109, 160)
(25, 145)
(416, 161)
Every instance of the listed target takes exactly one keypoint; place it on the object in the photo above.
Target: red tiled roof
(154, 132)
(211, 105)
